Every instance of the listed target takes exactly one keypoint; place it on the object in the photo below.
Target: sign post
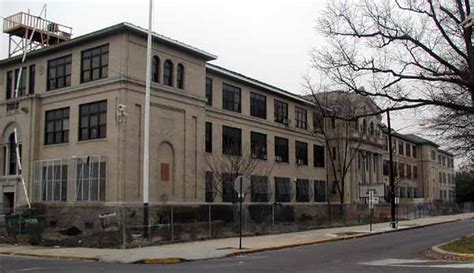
(239, 188)
(372, 200)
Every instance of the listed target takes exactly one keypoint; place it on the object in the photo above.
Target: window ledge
(92, 140)
(52, 145)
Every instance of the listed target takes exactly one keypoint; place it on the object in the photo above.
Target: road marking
(418, 263)
(30, 269)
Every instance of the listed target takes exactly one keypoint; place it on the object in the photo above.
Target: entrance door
(8, 202)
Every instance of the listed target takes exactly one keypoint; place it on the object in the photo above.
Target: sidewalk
(217, 248)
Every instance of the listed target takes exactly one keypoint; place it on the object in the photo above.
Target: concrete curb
(175, 260)
(437, 249)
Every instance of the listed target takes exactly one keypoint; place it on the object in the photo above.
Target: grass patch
(462, 245)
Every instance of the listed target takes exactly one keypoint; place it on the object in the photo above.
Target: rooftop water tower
(21, 27)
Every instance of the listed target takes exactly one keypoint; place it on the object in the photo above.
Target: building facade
(79, 115)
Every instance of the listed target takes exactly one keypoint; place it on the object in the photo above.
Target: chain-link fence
(123, 226)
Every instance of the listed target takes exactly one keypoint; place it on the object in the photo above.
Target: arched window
(155, 69)
(180, 76)
(168, 73)
(12, 159)
(364, 126)
(372, 128)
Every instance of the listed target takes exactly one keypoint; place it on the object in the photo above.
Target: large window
(302, 190)
(407, 149)
(258, 145)
(95, 63)
(408, 171)
(93, 120)
(317, 121)
(400, 148)
(57, 126)
(209, 91)
(258, 105)
(168, 73)
(228, 192)
(208, 137)
(301, 151)
(319, 156)
(9, 85)
(90, 178)
(258, 188)
(231, 97)
(414, 151)
(301, 118)
(31, 79)
(281, 149)
(155, 69)
(209, 187)
(22, 86)
(50, 180)
(415, 172)
(231, 141)
(59, 72)
(320, 191)
(10, 156)
(283, 190)
(180, 76)
(386, 168)
(281, 112)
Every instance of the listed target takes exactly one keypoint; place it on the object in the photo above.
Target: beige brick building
(79, 118)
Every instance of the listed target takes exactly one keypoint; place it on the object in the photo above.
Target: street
(392, 252)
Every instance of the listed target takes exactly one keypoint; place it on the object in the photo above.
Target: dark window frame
(258, 145)
(180, 76)
(282, 149)
(209, 83)
(301, 118)
(168, 67)
(58, 119)
(302, 191)
(31, 79)
(283, 190)
(231, 98)
(208, 137)
(231, 136)
(258, 105)
(280, 112)
(259, 191)
(318, 124)
(155, 69)
(101, 65)
(9, 85)
(91, 114)
(301, 152)
(320, 186)
(319, 154)
(22, 87)
(59, 73)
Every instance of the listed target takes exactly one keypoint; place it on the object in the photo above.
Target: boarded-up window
(165, 172)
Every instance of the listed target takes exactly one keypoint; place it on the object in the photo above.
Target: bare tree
(226, 168)
(407, 53)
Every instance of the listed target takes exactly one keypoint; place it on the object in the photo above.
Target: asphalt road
(393, 252)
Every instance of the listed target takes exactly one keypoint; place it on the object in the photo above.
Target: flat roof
(121, 27)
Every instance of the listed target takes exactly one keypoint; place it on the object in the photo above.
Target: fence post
(273, 218)
(124, 232)
(172, 224)
(210, 221)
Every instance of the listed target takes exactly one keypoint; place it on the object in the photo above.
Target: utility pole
(391, 176)
(146, 141)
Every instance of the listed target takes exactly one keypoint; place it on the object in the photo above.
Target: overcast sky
(266, 40)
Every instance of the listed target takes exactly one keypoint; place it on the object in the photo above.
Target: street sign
(397, 200)
(378, 190)
(245, 184)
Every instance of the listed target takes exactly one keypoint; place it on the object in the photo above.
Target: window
(320, 191)
(281, 149)
(385, 144)
(258, 105)
(319, 157)
(400, 148)
(22, 86)
(283, 190)
(401, 170)
(228, 192)
(209, 187)
(31, 79)
(433, 155)
(208, 137)
(407, 149)
(13, 168)
(155, 69)
(258, 188)
(50, 181)
(209, 91)
(301, 118)
(231, 141)
(414, 151)
(372, 129)
(409, 171)
(364, 126)
(9, 85)
(281, 112)
(403, 192)
(301, 150)
(168, 73)
(93, 120)
(258, 145)
(302, 190)
(317, 121)
(333, 123)
(415, 172)
(231, 96)
(386, 167)
(94, 63)
(180, 76)
(57, 126)
(90, 178)
(59, 72)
